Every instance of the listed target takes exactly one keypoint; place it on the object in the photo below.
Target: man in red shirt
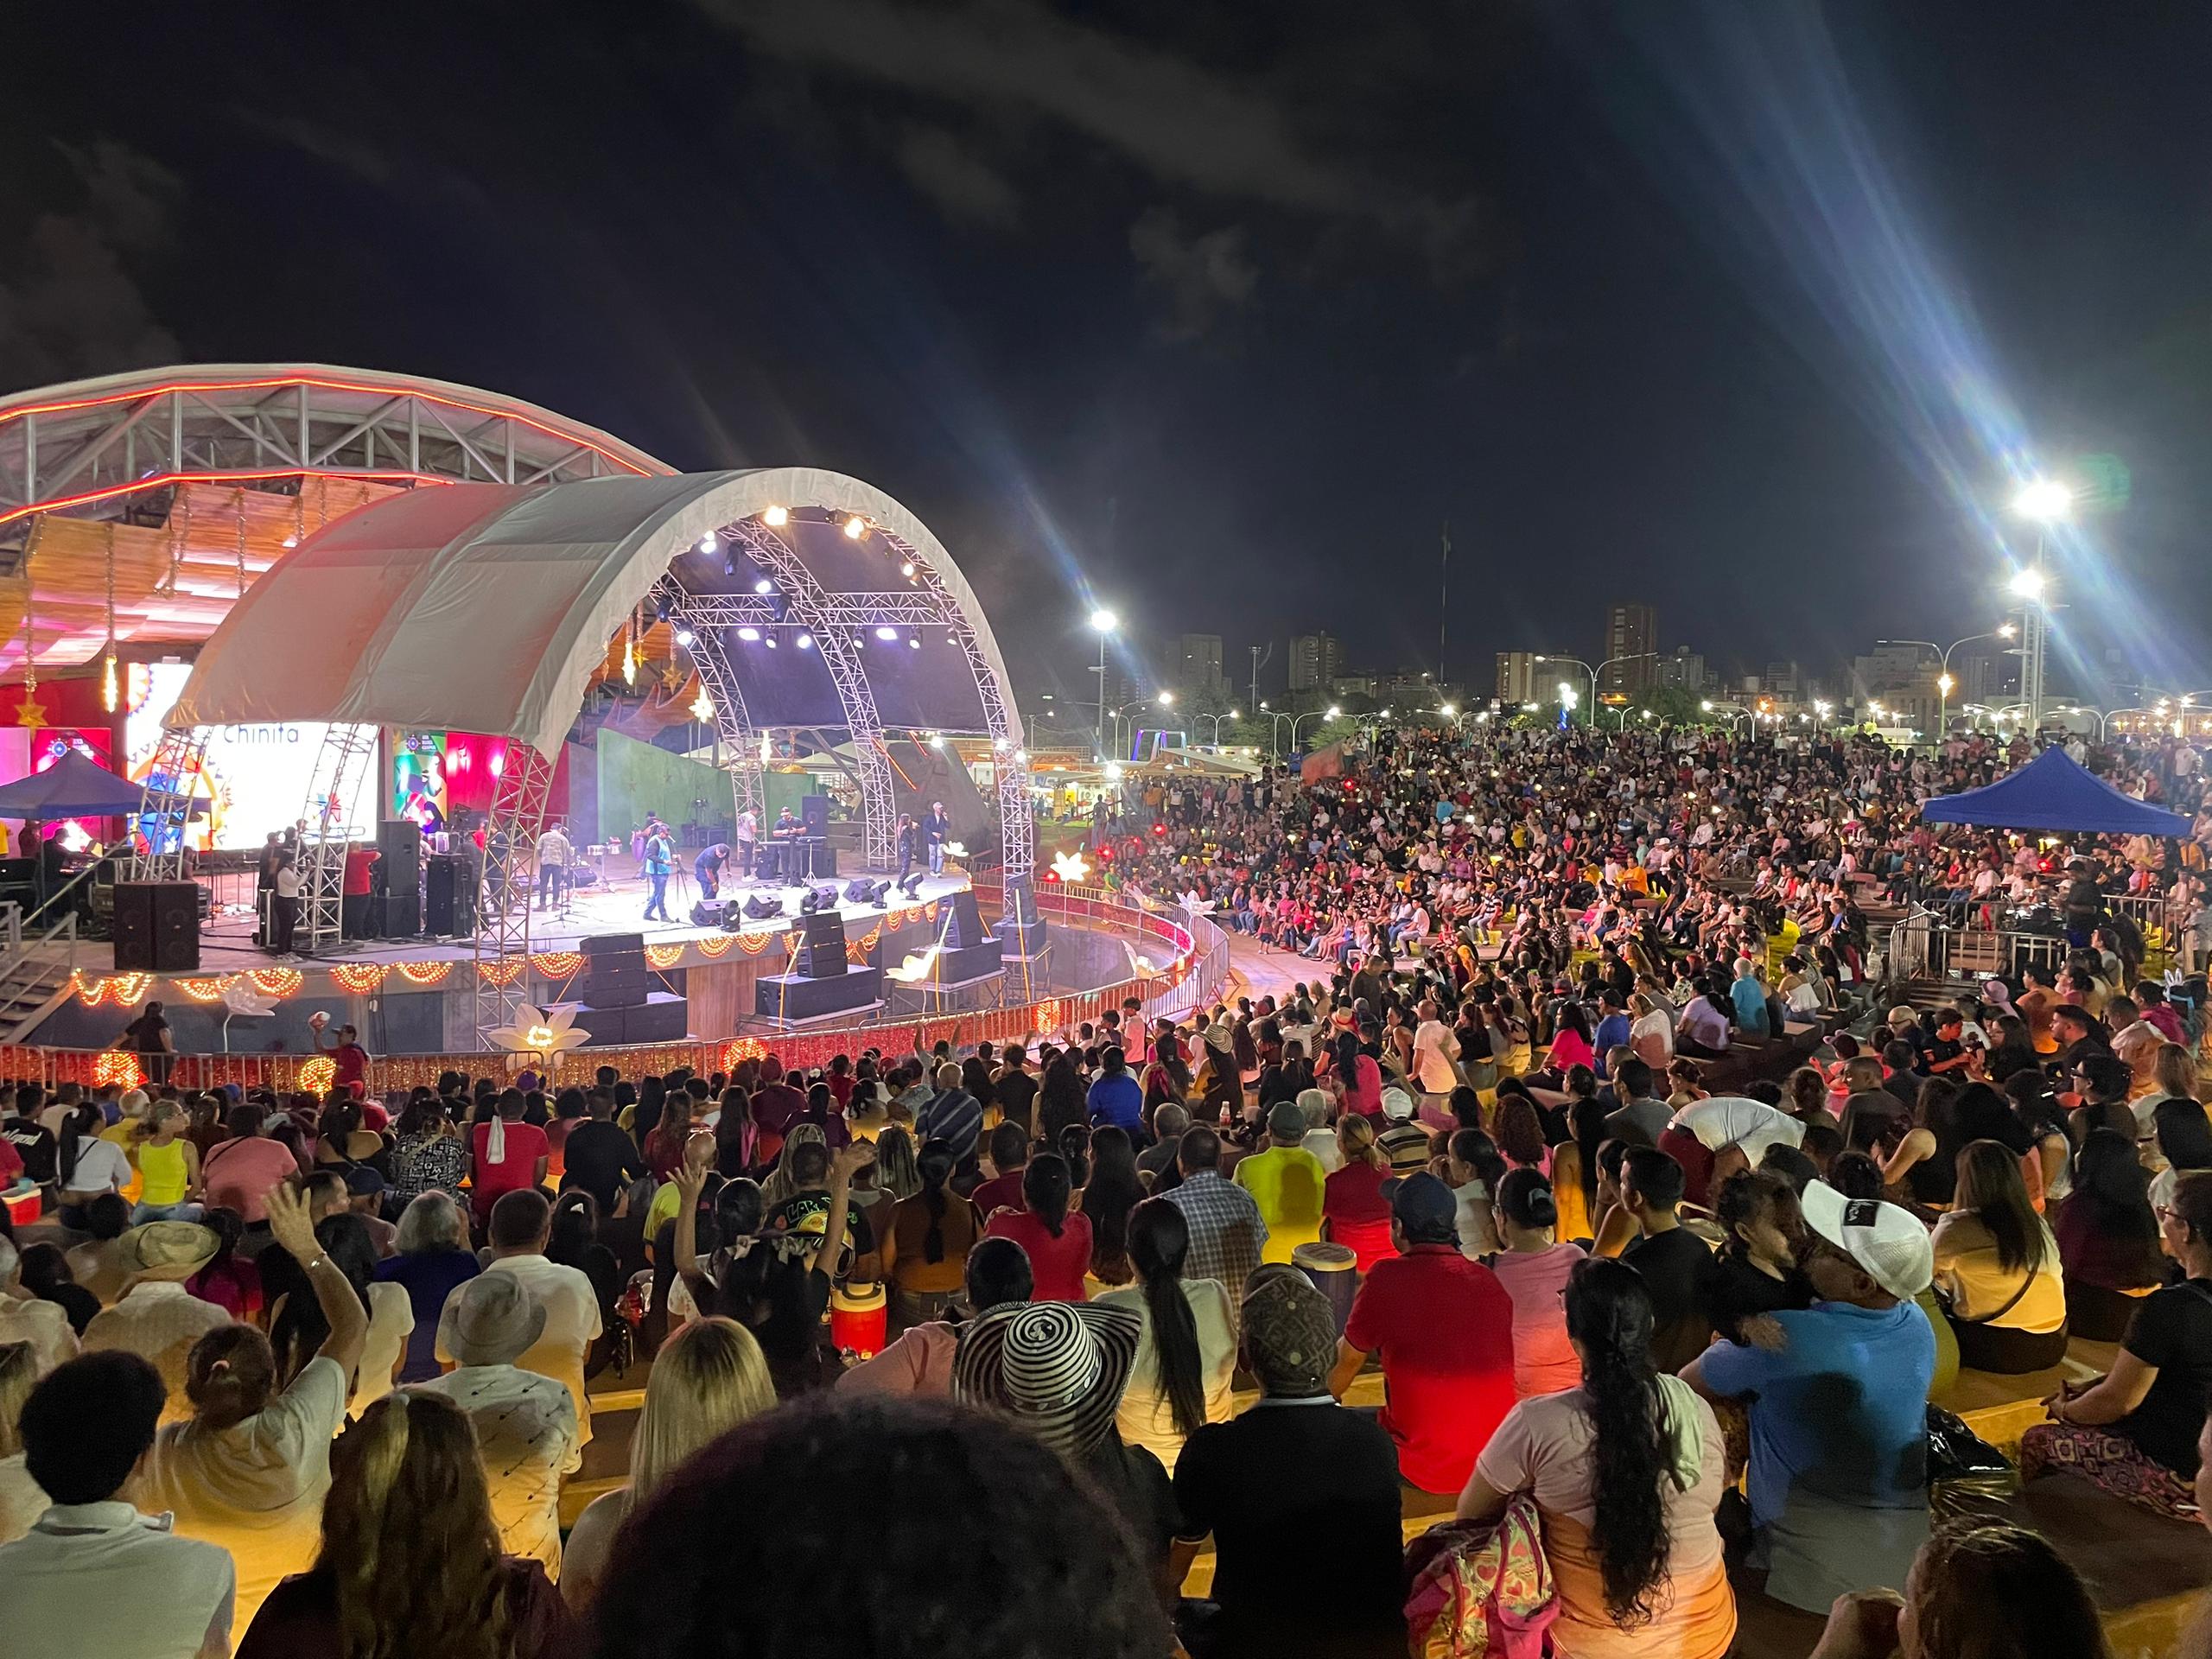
(1443, 1326)
(350, 1059)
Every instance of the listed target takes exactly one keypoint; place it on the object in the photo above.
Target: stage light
(685, 638)
(856, 527)
(937, 739)
(860, 642)
(770, 642)
(751, 636)
(777, 517)
(764, 585)
(998, 744)
(806, 642)
(913, 642)
(887, 633)
(707, 543)
(908, 568)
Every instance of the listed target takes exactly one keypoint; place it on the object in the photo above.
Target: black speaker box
(157, 927)
(400, 840)
(615, 970)
(966, 928)
(814, 813)
(402, 914)
(791, 997)
(822, 946)
(448, 895)
(661, 1017)
(710, 912)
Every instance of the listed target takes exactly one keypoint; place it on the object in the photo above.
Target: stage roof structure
(2055, 793)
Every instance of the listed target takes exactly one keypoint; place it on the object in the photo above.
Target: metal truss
(740, 744)
(810, 606)
(910, 608)
(349, 754)
(165, 805)
(502, 962)
(93, 447)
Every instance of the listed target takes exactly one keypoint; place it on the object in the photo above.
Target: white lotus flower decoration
(1070, 866)
(545, 1033)
(240, 996)
(1196, 906)
(955, 849)
(915, 968)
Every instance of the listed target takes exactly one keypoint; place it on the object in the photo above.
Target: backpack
(1481, 1590)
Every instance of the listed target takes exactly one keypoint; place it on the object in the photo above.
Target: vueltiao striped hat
(1056, 1369)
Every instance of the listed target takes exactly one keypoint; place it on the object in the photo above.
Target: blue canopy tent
(73, 787)
(2053, 792)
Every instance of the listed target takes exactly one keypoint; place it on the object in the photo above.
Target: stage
(226, 941)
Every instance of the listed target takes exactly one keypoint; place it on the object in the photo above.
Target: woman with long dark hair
(411, 1560)
(1188, 1351)
(2108, 1237)
(1061, 1100)
(925, 1247)
(1999, 1266)
(1110, 1193)
(1057, 1237)
(1627, 1471)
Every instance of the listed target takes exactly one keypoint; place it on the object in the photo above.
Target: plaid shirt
(1226, 1229)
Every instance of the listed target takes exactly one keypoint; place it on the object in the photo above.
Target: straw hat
(1057, 1369)
(167, 1249)
(494, 1321)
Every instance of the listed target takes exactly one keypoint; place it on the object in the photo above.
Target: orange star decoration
(30, 713)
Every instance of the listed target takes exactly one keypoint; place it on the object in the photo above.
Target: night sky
(1219, 311)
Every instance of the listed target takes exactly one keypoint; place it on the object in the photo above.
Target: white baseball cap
(1883, 1238)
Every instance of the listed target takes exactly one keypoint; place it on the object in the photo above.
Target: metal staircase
(35, 970)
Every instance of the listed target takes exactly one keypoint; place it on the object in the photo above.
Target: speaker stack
(400, 840)
(970, 951)
(1022, 927)
(448, 895)
(619, 1005)
(157, 927)
(824, 980)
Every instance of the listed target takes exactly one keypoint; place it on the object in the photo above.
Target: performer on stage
(791, 857)
(553, 855)
(660, 859)
(935, 829)
(904, 837)
(749, 834)
(708, 868)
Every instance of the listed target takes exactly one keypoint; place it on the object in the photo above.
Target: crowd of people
(992, 1342)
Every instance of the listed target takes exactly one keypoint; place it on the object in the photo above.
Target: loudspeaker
(818, 898)
(709, 913)
(157, 927)
(966, 928)
(822, 946)
(862, 891)
(761, 906)
(400, 840)
(787, 999)
(1022, 928)
(814, 813)
(448, 895)
(615, 970)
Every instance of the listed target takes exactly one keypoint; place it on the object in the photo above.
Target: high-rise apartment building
(1316, 659)
(1632, 647)
(1198, 663)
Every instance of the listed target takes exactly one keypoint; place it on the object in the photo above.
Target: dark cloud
(1198, 276)
(956, 179)
(72, 306)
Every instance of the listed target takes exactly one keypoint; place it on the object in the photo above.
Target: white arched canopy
(485, 608)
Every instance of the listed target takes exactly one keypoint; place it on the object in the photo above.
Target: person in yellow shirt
(1286, 1181)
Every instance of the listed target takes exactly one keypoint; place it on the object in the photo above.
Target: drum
(860, 1317)
(1330, 1268)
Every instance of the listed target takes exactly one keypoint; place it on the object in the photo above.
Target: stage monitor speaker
(448, 895)
(157, 927)
(1021, 901)
(966, 928)
(814, 813)
(710, 912)
(762, 905)
(862, 891)
(822, 946)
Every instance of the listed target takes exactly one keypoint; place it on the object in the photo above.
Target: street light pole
(1330, 712)
(1104, 622)
(2044, 502)
(1586, 669)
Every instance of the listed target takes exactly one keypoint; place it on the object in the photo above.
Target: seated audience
(919, 1360)
(28, 1317)
(1286, 1182)
(1672, 1260)
(2108, 1234)
(1998, 1266)
(22, 1499)
(1187, 1352)
(1442, 1326)
(1062, 1576)
(1268, 1601)
(1838, 1487)
(2135, 1432)
(1354, 1212)
(1755, 1269)
(410, 1554)
(248, 1471)
(1975, 1590)
(433, 1262)
(1627, 1471)
(156, 1318)
(522, 1226)
(706, 1380)
(1534, 1269)
(94, 1575)
(924, 1250)
(1227, 1232)
(1056, 1236)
